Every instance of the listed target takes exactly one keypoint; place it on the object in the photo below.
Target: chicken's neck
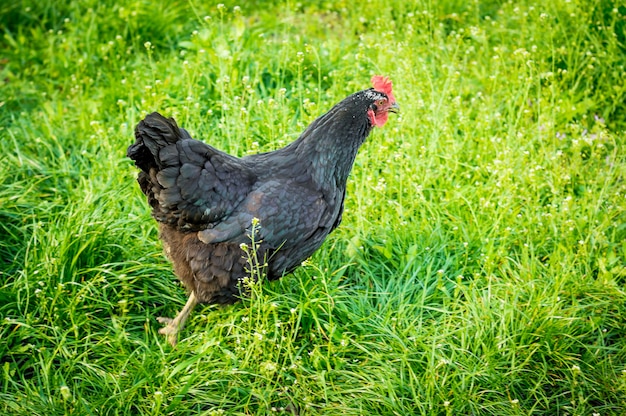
(328, 147)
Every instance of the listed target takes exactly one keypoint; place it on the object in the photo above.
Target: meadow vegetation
(480, 268)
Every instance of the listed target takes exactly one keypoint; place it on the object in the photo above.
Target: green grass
(480, 268)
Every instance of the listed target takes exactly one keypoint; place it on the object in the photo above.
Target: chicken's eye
(380, 102)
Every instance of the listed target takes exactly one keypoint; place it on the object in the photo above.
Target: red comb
(383, 84)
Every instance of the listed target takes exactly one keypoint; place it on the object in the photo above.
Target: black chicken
(205, 200)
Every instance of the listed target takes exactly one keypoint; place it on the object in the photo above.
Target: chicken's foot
(173, 326)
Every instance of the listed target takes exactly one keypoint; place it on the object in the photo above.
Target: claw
(165, 321)
(173, 326)
(170, 331)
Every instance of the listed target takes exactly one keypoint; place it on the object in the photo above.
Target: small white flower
(66, 393)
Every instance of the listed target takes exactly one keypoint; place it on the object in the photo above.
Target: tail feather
(152, 134)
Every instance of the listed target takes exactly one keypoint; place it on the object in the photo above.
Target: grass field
(480, 268)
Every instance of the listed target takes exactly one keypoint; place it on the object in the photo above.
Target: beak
(395, 108)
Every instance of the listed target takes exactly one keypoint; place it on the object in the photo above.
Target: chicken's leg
(175, 325)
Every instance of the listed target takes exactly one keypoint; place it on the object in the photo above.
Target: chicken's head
(383, 102)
